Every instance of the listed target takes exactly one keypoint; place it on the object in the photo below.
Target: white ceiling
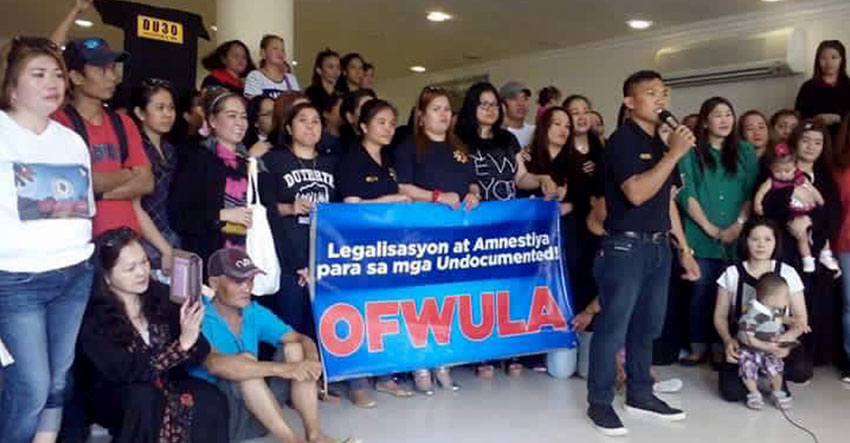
(393, 34)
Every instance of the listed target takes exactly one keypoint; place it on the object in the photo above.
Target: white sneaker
(669, 386)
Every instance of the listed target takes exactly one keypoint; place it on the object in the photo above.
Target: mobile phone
(186, 277)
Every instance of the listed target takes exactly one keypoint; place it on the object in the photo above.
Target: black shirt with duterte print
(291, 178)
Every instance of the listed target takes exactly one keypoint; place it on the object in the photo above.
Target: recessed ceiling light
(214, 28)
(639, 24)
(438, 16)
(418, 69)
(294, 63)
(83, 23)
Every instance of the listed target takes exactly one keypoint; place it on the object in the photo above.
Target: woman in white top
(760, 246)
(46, 207)
(274, 75)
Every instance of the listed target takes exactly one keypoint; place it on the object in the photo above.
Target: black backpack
(117, 123)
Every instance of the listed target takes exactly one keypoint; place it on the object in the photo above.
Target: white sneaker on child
(808, 264)
(829, 262)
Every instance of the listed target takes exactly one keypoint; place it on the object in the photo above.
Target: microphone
(668, 118)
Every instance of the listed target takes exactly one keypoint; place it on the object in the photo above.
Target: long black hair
(252, 135)
(215, 60)
(342, 83)
(729, 148)
(285, 136)
(467, 120)
(141, 95)
(541, 162)
(752, 223)
(106, 312)
(370, 110)
(838, 46)
(594, 142)
(320, 58)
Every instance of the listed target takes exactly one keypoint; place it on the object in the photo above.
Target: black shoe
(845, 377)
(654, 407)
(606, 421)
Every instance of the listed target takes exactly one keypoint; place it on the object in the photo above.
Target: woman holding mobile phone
(140, 345)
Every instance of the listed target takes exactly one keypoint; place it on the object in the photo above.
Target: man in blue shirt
(632, 267)
(234, 326)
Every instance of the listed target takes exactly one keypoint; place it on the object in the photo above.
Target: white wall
(597, 70)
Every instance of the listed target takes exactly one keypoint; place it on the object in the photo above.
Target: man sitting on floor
(234, 327)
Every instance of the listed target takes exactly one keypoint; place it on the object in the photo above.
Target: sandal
(514, 369)
(781, 400)
(692, 360)
(393, 388)
(444, 379)
(485, 371)
(422, 382)
(755, 401)
(362, 399)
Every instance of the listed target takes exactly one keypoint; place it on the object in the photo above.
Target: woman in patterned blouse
(139, 346)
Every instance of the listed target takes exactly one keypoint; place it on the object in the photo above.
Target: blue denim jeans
(633, 275)
(40, 315)
(844, 257)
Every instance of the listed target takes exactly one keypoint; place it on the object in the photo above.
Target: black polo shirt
(358, 175)
(631, 151)
(441, 167)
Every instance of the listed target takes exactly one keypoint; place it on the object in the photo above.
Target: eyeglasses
(488, 105)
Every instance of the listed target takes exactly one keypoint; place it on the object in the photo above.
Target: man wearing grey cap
(515, 99)
(234, 326)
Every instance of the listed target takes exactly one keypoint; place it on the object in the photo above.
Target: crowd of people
(752, 214)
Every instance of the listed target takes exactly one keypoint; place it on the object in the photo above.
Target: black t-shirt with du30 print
(289, 178)
(162, 42)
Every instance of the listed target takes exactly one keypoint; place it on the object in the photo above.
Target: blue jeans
(701, 309)
(844, 257)
(633, 275)
(40, 316)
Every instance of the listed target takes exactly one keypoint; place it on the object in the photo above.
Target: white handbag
(259, 243)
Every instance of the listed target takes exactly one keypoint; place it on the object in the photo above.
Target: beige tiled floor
(536, 408)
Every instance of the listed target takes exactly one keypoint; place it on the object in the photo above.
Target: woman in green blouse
(718, 176)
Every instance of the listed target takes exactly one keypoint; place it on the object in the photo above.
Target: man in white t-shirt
(515, 99)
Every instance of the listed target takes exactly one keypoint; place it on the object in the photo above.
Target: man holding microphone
(632, 266)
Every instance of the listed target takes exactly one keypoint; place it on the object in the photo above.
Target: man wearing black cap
(120, 169)
(234, 326)
(516, 98)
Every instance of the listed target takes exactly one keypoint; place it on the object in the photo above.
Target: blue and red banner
(398, 287)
